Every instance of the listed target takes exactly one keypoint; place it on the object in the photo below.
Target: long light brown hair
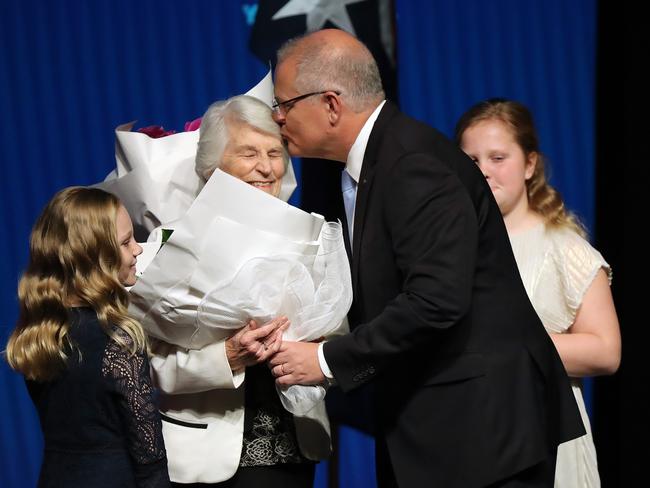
(74, 253)
(542, 197)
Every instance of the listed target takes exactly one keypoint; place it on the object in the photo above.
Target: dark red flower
(193, 125)
(156, 131)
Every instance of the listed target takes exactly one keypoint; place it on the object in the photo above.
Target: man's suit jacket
(469, 386)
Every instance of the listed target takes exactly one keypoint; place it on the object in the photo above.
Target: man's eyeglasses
(281, 108)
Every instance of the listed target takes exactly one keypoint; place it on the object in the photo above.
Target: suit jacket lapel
(365, 184)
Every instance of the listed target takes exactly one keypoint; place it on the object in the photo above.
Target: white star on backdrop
(318, 12)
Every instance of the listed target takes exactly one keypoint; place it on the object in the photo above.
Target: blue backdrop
(71, 71)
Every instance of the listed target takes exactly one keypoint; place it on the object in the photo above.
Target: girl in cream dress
(566, 279)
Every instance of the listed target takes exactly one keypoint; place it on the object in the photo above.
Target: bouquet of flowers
(226, 262)
(235, 253)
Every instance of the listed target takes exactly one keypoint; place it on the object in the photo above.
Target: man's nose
(278, 117)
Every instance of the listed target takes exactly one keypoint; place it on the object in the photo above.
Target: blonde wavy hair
(74, 253)
(542, 197)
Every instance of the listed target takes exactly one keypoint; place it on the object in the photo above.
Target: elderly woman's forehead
(236, 128)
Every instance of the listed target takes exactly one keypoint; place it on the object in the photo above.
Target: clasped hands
(292, 363)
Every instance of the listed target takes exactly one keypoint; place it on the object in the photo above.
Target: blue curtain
(71, 71)
(539, 52)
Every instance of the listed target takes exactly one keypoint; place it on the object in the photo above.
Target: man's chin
(302, 152)
(294, 151)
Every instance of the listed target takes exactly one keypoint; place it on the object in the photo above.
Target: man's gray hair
(215, 124)
(321, 67)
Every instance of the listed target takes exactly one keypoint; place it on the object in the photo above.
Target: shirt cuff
(323, 365)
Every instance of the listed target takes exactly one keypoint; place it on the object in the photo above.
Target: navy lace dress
(100, 424)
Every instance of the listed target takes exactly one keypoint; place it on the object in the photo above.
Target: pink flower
(156, 131)
(191, 126)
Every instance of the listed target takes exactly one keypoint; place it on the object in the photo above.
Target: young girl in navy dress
(84, 359)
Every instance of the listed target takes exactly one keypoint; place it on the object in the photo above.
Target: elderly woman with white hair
(239, 137)
(223, 422)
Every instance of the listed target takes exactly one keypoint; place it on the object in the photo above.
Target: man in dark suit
(469, 388)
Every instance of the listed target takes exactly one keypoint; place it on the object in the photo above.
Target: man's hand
(253, 344)
(296, 363)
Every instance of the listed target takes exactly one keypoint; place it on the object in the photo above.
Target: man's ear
(334, 107)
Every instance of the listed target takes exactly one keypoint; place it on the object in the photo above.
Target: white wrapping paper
(239, 253)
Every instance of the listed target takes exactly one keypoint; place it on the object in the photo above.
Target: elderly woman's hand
(253, 344)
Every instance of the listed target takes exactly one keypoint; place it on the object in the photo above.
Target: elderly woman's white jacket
(202, 404)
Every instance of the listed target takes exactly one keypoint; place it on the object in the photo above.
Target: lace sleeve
(128, 376)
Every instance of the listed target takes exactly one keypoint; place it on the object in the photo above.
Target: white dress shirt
(353, 167)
